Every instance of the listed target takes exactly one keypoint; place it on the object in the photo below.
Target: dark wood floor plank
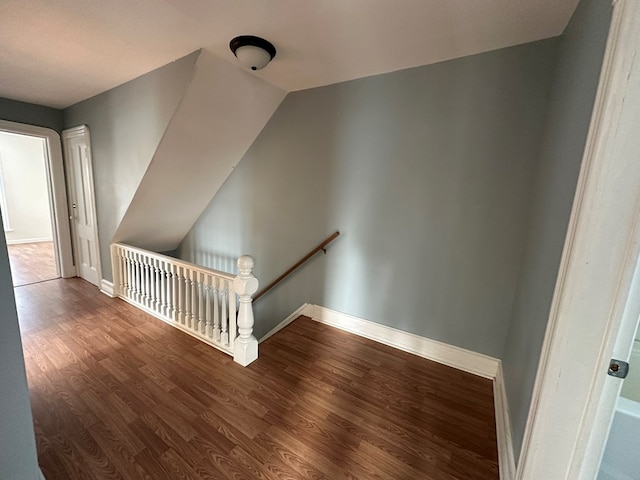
(116, 393)
(233, 435)
(153, 467)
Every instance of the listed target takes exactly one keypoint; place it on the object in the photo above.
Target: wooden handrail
(300, 262)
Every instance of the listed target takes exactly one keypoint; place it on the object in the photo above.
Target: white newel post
(245, 285)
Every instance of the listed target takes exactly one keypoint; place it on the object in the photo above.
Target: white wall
(22, 164)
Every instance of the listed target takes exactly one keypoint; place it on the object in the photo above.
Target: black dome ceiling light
(252, 52)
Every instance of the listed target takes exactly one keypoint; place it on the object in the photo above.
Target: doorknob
(618, 368)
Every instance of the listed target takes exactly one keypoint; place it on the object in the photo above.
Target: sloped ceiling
(221, 113)
(57, 53)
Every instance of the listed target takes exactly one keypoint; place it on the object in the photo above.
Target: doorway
(26, 209)
(46, 233)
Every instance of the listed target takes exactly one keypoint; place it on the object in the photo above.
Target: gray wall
(126, 125)
(18, 459)
(30, 114)
(580, 59)
(426, 172)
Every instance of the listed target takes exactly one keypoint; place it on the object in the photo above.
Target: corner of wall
(504, 435)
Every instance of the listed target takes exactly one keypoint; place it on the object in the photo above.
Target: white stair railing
(200, 301)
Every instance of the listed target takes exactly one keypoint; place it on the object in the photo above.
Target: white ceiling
(57, 53)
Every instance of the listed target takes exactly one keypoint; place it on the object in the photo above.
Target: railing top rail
(176, 261)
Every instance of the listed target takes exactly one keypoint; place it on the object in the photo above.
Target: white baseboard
(460, 358)
(29, 240)
(106, 287)
(506, 458)
(300, 311)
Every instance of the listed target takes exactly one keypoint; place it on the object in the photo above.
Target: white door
(77, 151)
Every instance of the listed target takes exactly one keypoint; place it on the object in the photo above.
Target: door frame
(596, 294)
(83, 130)
(57, 191)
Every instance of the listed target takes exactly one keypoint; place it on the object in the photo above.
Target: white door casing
(596, 295)
(57, 191)
(77, 149)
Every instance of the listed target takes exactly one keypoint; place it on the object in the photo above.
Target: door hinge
(618, 368)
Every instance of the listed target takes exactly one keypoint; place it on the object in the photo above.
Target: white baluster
(161, 285)
(123, 272)
(233, 329)
(153, 299)
(148, 298)
(193, 322)
(134, 276)
(164, 276)
(224, 333)
(145, 281)
(215, 290)
(150, 281)
(144, 276)
(187, 298)
(141, 278)
(157, 284)
(138, 283)
(174, 292)
(129, 275)
(201, 295)
(180, 286)
(245, 285)
(207, 313)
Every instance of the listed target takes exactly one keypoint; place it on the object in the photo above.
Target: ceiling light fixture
(252, 52)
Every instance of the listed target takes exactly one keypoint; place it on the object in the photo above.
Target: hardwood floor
(117, 394)
(32, 262)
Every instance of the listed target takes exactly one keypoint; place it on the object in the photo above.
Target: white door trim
(572, 402)
(57, 191)
(83, 130)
